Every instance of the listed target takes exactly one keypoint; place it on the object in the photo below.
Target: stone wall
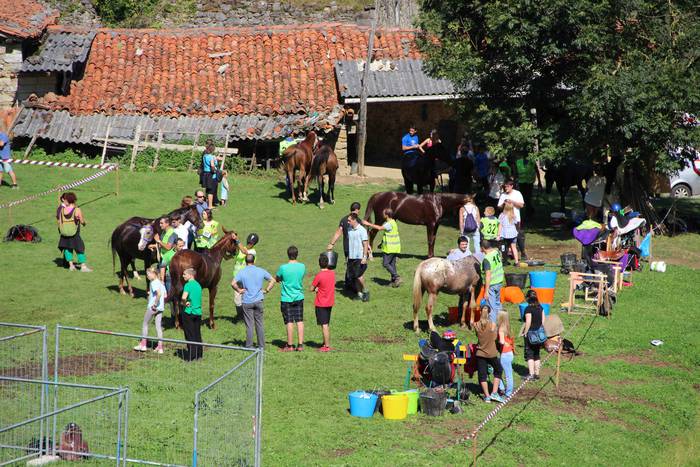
(36, 83)
(10, 63)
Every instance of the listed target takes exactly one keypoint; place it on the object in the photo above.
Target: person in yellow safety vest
(391, 244)
(209, 233)
(492, 277)
(526, 173)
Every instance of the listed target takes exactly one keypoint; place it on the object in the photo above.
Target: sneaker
(15, 186)
(85, 268)
(536, 377)
(325, 348)
(397, 282)
(496, 398)
(365, 297)
(487, 399)
(141, 347)
(300, 348)
(158, 349)
(71, 267)
(529, 378)
(287, 348)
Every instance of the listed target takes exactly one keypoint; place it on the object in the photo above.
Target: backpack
(470, 223)
(22, 233)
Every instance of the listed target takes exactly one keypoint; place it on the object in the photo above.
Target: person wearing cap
(391, 244)
(513, 197)
(343, 229)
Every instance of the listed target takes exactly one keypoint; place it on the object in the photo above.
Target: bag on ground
(22, 233)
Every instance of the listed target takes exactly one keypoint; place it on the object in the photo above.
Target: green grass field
(622, 402)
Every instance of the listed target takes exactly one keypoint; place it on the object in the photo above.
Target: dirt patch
(341, 452)
(375, 339)
(574, 391)
(551, 252)
(647, 357)
(95, 363)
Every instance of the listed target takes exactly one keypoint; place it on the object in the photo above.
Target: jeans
(389, 263)
(474, 240)
(507, 364)
(253, 316)
(494, 300)
(191, 326)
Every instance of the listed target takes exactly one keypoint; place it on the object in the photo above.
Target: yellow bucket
(395, 406)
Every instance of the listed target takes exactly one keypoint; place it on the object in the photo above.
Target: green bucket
(412, 400)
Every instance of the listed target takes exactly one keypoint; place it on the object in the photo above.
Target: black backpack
(22, 233)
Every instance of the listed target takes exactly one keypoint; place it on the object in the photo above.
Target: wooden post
(556, 377)
(31, 144)
(104, 147)
(158, 145)
(135, 148)
(474, 441)
(223, 162)
(117, 192)
(362, 124)
(194, 145)
(253, 160)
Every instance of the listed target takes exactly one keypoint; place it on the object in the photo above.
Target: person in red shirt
(324, 286)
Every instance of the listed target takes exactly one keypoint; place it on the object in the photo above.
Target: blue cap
(616, 207)
(483, 302)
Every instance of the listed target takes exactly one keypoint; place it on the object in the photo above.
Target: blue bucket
(522, 306)
(543, 279)
(362, 404)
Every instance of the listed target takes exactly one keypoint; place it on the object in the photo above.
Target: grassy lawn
(622, 402)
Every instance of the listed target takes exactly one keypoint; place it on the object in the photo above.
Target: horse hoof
(463, 325)
(212, 325)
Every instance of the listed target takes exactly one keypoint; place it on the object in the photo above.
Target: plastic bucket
(395, 406)
(516, 279)
(545, 306)
(412, 395)
(544, 295)
(362, 404)
(453, 314)
(543, 279)
(433, 403)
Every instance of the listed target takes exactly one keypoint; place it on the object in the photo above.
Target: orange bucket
(512, 294)
(453, 314)
(544, 295)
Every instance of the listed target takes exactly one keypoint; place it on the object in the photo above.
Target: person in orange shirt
(507, 343)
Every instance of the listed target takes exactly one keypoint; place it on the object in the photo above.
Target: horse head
(312, 140)
(145, 236)
(227, 245)
(192, 214)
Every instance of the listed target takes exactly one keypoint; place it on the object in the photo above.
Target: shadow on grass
(138, 293)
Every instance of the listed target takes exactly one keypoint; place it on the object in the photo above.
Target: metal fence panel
(90, 420)
(24, 351)
(162, 387)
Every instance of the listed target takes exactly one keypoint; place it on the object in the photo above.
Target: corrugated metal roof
(60, 51)
(389, 78)
(61, 126)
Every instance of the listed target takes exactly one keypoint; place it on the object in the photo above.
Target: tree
(612, 76)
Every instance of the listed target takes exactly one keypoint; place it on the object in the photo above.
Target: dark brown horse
(131, 238)
(441, 275)
(208, 267)
(325, 162)
(427, 210)
(298, 157)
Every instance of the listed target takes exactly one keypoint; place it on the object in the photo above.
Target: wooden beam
(135, 147)
(150, 144)
(362, 126)
(194, 145)
(31, 144)
(223, 162)
(159, 143)
(104, 147)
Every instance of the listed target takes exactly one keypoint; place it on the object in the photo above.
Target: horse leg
(136, 272)
(432, 234)
(125, 277)
(429, 310)
(212, 300)
(319, 180)
(331, 188)
(292, 174)
(469, 305)
(306, 178)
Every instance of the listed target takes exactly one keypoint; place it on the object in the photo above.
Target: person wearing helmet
(239, 263)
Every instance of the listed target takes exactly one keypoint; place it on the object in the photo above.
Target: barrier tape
(68, 186)
(71, 165)
(498, 408)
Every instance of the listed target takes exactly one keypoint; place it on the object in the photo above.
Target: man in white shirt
(181, 230)
(513, 197)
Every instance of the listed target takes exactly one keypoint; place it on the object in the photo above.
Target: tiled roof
(217, 72)
(25, 18)
(60, 51)
(389, 78)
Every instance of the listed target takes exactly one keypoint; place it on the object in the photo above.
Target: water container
(544, 295)
(362, 404)
(332, 258)
(433, 403)
(395, 406)
(516, 279)
(412, 395)
(545, 306)
(543, 279)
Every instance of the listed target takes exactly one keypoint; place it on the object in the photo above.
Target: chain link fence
(24, 351)
(82, 422)
(163, 396)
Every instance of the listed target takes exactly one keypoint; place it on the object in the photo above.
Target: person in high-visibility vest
(391, 244)
(526, 173)
(492, 277)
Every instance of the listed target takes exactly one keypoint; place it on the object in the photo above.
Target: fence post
(55, 386)
(158, 145)
(561, 344)
(194, 145)
(258, 406)
(135, 147)
(223, 163)
(104, 147)
(196, 428)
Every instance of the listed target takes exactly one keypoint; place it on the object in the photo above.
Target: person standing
(391, 244)
(526, 172)
(223, 197)
(343, 229)
(534, 319)
(358, 254)
(192, 314)
(210, 172)
(482, 166)
(487, 355)
(324, 286)
(488, 225)
(410, 145)
(249, 283)
(595, 192)
(291, 276)
(508, 224)
(181, 230)
(209, 233)
(492, 277)
(507, 344)
(70, 218)
(469, 220)
(512, 196)
(5, 156)
(154, 309)
(457, 254)
(239, 264)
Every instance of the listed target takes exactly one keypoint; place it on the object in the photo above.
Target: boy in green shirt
(291, 275)
(192, 314)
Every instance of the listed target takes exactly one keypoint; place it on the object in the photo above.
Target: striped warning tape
(68, 186)
(71, 165)
(498, 408)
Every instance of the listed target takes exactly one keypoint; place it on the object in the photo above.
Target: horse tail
(417, 289)
(110, 244)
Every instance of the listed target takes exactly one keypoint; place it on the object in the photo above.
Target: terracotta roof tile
(262, 70)
(25, 18)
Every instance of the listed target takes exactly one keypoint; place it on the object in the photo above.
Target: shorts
(323, 315)
(510, 241)
(292, 312)
(210, 183)
(532, 352)
(482, 365)
(5, 167)
(356, 268)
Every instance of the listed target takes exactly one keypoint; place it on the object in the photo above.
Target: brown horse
(208, 267)
(325, 162)
(427, 209)
(298, 157)
(441, 275)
